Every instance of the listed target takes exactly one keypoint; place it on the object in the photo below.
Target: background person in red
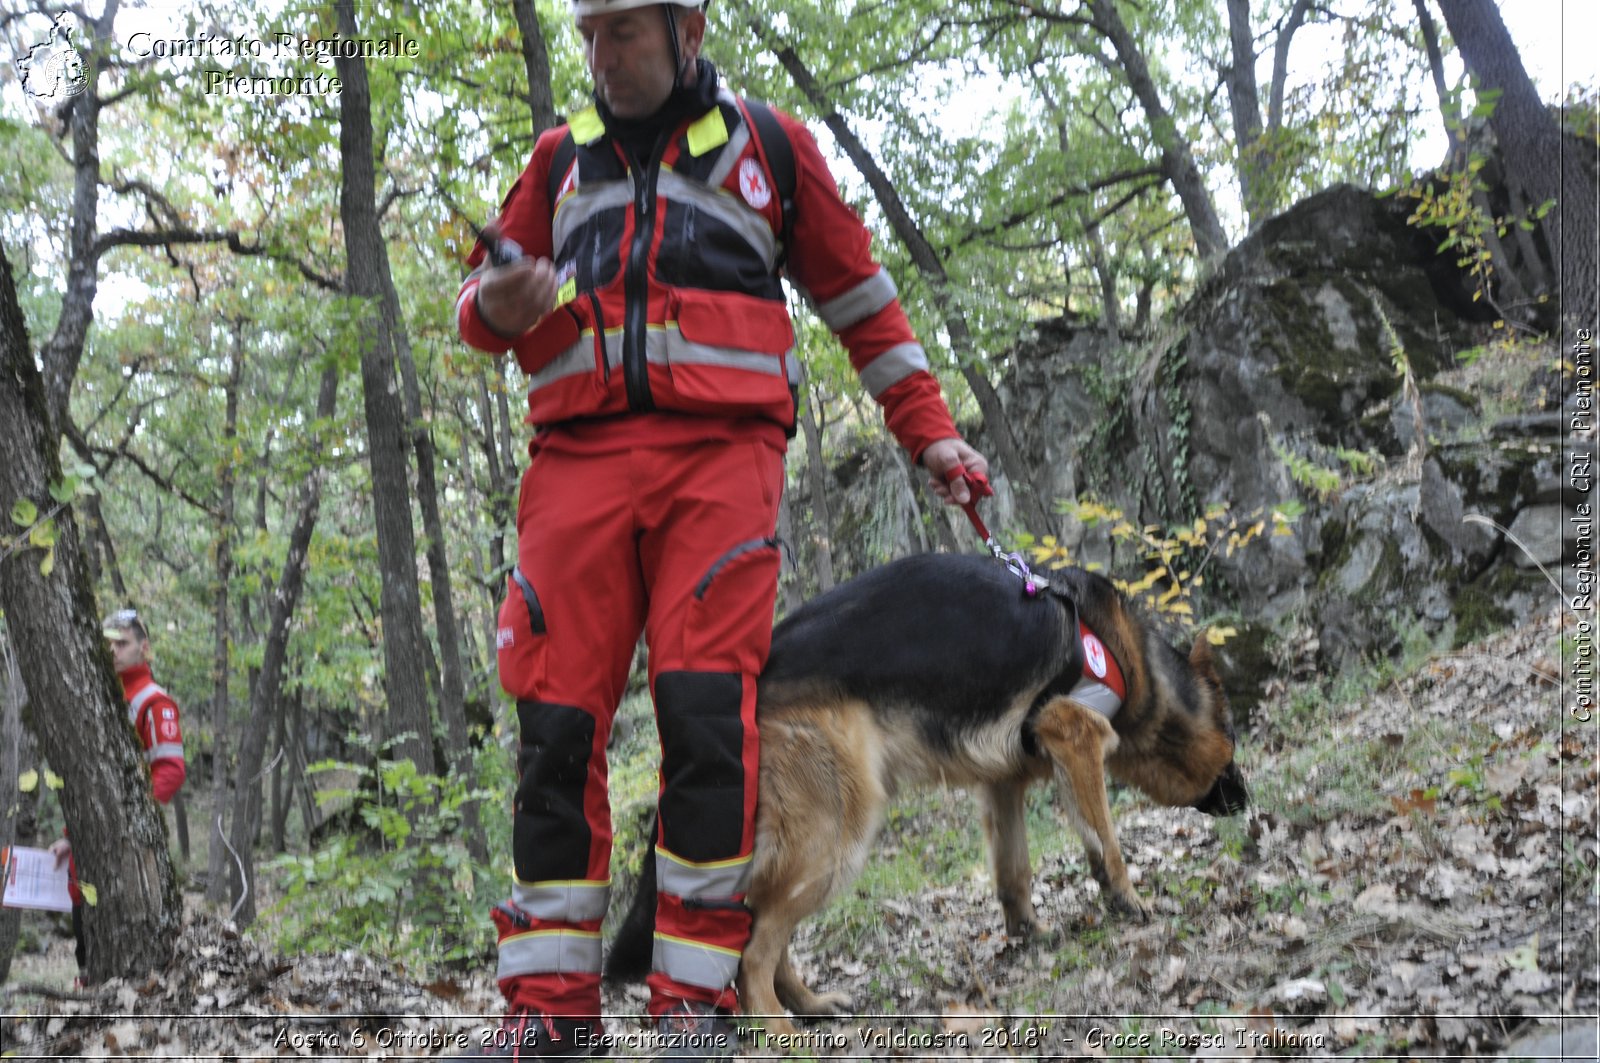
(642, 296)
(154, 716)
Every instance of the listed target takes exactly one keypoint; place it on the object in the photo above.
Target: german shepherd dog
(942, 669)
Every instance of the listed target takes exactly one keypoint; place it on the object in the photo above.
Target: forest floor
(1416, 877)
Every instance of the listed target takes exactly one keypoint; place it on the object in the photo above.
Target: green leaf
(28, 781)
(65, 491)
(24, 513)
(43, 534)
(91, 896)
(47, 564)
(52, 780)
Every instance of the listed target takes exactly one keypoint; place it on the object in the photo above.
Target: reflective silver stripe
(584, 203)
(730, 156)
(570, 951)
(163, 749)
(1093, 694)
(666, 345)
(562, 902)
(137, 702)
(893, 366)
(579, 358)
(860, 302)
(726, 208)
(693, 963)
(725, 878)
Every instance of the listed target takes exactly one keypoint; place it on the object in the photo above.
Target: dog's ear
(1200, 658)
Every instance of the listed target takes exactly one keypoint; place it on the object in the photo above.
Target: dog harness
(1101, 687)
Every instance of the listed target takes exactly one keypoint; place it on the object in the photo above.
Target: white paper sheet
(32, 880)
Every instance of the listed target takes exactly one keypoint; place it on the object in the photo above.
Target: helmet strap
(679, 65)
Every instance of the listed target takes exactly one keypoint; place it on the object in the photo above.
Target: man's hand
(60, 849)
(512, 298)
(943, 458)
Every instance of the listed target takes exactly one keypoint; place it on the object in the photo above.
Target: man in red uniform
(154, 717)
(636, 279)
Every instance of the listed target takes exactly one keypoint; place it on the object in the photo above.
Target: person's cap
(123, 620)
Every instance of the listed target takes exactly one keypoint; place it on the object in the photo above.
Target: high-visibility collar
(138, 687)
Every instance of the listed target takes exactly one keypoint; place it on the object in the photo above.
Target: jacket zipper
(603, 363)
(636, 287)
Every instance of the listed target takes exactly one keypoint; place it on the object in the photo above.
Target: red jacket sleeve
(166, 777)
(161, 734)
(524, 218)
(831, 258)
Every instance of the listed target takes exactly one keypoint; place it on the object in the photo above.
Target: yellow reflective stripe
(720, 878)
(707, 132)
(586, 126)
(539, 951)
(694, 962)
(564, 902)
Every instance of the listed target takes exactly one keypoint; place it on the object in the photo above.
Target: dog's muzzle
(1227, 795)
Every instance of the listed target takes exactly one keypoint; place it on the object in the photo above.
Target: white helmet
(587, 8)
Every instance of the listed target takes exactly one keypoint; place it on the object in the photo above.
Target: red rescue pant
(676, 542)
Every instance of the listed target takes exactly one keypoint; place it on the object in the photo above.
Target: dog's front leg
(1077, 740)
(1005, 826)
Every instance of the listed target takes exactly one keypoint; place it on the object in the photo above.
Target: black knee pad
(551, 832)
(702, 763)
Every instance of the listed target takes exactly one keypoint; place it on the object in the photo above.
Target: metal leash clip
(978, 487)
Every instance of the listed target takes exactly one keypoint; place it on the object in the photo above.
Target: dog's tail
(634, 942)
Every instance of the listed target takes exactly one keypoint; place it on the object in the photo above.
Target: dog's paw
(825, 1005)
(1127, 904)
(1028, 928)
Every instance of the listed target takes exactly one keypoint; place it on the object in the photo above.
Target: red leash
(978, 487)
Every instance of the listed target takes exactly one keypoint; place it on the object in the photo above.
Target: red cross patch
(753, 184)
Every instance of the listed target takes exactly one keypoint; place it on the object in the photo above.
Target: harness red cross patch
(753, 184)
(1094, 652)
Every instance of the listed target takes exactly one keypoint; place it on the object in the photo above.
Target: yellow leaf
(91, 896)
(52, 780)
(1180, 609)
(28, 781)
(1218, 635)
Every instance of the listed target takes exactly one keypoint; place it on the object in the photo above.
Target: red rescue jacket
(154, 716)
(669, 297)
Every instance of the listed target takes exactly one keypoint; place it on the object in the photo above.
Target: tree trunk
(1177, 162)
(536, 59)
(219, 865)
(265, 702)
(80, 719)
(1534, 150)
(791, 593)
(16, 749)
(280, 772)
(452, 683)
(817, 484)
(1448, 111)
(367, 277)
(1244, 100)
(1280, 62)
(1105, 272)
(1030, 498)
(64, 350)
